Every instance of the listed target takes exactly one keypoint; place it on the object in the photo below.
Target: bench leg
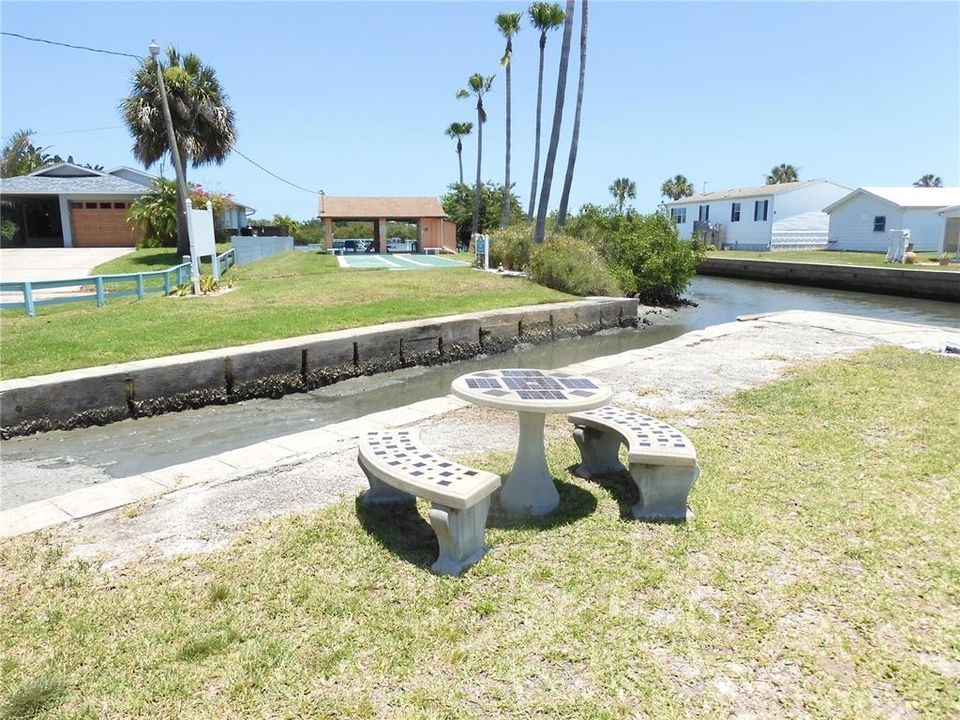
(382, 494)
(663, 491)
(599, 452)
(460, 534)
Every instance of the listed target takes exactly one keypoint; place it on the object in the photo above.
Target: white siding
(851, 225)
(746, 232)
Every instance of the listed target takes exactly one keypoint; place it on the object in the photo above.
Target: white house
(66, 205)
(786, 216)
(862, 219)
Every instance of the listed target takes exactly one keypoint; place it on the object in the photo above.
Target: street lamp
(177, 166)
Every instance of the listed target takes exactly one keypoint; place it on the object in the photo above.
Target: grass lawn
(284, 296)
(146, 260)
(834, 258)
(820, 578)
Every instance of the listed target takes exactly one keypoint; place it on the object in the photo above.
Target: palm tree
(509, 24)
(540, 230)
(20, 156)
(621, 189)
(459, 130)
(203, 122)
(929, 181)
(575, 140)
(783, 173)
(544, 17)
(676, 187)
(479, 85)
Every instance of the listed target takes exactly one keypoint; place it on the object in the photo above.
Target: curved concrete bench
(399, 469)
(663, 462)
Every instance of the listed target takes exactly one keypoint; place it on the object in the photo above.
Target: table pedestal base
(530, 488)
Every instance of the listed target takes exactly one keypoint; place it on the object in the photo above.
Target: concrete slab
(107, 496)
(311, 441)
(19, 264)
(30, 517)
(191, 473)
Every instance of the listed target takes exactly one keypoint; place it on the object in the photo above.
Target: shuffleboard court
(397, 262)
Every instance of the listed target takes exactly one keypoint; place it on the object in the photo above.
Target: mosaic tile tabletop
(533, 390)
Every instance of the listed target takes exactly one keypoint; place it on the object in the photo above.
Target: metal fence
(169, 279)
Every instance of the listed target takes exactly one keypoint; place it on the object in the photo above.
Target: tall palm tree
(575, 141)
(676, 187)
(621, 189)
(203, 121)
(929, 181)
(479, 86)
(509, 24)
(544, 17)
(540, 229)
(783, 173)
(459, 130)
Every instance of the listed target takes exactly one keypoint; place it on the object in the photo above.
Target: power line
(74, 47)
(81, 130)
(114, 127)
(268, 172)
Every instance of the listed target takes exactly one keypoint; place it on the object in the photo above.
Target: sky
(353, 98)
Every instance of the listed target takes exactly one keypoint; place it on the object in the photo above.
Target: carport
(434, 230)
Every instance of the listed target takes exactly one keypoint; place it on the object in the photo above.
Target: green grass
(924, 259)
(284, 296)
(820, 578)
(145, 260)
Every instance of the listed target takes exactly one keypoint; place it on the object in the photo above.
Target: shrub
(8, 229)
(572, 266)
(512, 247)
(644, 252)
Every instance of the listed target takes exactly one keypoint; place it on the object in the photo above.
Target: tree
(457, 131)
(676, 187)
(21, 157)
(929, 181)
(458, 204)
(509, 24)
(544, 17)
(203, 121)
(621, 189)
(540, 229)
(478, 86)
(783, 173)
(155, 214)
(575, 140)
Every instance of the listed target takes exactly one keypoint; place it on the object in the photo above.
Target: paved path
(18, 264)
(201, 505)
(397, 261)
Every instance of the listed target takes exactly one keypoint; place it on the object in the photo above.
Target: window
(880, 223)
(104, 206)
(735, 212)
(679, 215)
(705, 213)
(119, 206)
(760, 208)
(76, 205)
(90, 206)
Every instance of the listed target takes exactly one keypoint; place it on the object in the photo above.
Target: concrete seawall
(101, 395)
(927, 284)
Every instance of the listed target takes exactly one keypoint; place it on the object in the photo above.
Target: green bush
(644, 252)
(572, 266)
(512, 247)
(8, 229)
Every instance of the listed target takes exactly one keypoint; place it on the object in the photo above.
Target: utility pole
(177, 166)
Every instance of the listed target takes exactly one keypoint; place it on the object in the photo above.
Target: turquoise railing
(171, 277)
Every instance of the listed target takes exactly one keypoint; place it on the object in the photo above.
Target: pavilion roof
(371, 208)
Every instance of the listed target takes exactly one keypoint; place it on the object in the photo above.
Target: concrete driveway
(19, 264)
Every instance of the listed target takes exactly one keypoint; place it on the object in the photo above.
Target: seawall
(926, 284)
(101, 395)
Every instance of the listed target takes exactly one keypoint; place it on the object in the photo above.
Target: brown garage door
(101, 223)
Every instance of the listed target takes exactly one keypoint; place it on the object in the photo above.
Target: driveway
(18, 264)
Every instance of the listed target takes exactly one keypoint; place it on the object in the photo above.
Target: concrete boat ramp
(201, 505)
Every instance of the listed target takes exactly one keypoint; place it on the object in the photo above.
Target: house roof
(757, 191)
(367, 208)
(94, 183)
(69, 179)
(907, 197)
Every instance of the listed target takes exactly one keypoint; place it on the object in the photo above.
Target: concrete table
(533, 394)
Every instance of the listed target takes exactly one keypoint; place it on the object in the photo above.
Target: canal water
(32, 464)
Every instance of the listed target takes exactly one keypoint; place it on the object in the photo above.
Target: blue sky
(352, 98)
